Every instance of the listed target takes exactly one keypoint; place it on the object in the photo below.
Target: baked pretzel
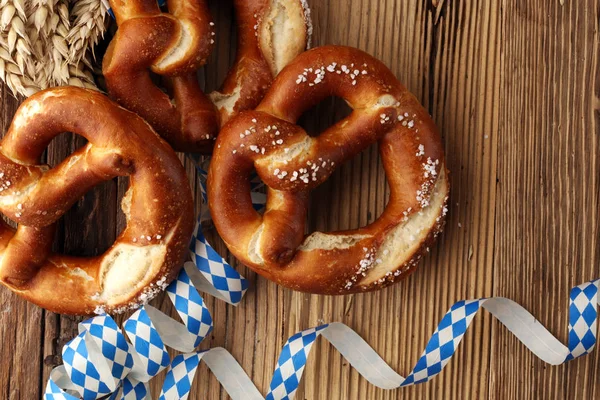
(271, 33)
(291, 164)
(158, 205)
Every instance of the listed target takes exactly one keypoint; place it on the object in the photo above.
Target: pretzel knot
(291, 163)
(158, 205)
(270, 34)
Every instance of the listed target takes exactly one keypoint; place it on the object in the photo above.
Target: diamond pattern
(230, 284)
(81, 371)
(133, 390)
(190, 306)
(180, 376)
(290, 365)
(107, 335)
(53, 392)
(443, 342)
(147, 343)
(583, 317)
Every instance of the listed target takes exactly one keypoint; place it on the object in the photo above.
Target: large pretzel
(271, 33)
(158, 206)
(291, 163)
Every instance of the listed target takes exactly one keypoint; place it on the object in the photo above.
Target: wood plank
(20, 329)
(547, 224)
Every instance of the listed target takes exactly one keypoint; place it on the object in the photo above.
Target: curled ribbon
(294, 355)
(101, 362)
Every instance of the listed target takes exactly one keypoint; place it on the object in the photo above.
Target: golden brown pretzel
(271, 33)
(158, 205)
(291, 164)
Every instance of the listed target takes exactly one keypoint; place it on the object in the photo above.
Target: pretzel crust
(175, 44)
(158, 205)
(291, 164)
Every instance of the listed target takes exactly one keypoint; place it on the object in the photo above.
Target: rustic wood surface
(514, 86)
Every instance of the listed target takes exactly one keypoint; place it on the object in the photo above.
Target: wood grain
(515, 88)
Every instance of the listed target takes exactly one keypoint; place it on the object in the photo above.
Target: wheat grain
(88, 28)
(8, 12)
(46, 43)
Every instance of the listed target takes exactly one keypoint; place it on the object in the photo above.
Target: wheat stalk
(88, 27)
(45, 43)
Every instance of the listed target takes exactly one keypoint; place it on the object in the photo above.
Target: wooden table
(514, 86)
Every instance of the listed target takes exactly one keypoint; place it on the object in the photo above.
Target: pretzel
(270, 34)
(291, 164)
(158, 205)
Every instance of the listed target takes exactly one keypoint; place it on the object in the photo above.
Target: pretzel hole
(95, 208)
(347, 200)
(336, 204)
(258, 192)
(165, 85)
(324, 114)
(122, 183)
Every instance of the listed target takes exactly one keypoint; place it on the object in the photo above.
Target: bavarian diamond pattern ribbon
(101, 362)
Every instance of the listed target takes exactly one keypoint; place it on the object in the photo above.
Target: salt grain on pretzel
(158, 206)
(270, 34)
(291, 164)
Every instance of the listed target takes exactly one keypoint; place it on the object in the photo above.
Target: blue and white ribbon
(101, 362)
(101, 335)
